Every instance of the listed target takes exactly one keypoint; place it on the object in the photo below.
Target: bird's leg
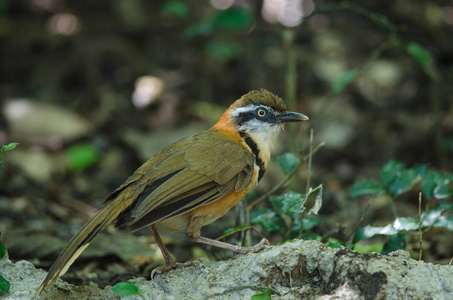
(194, 234)
(263, 244)
(168, 259)
(170, 263)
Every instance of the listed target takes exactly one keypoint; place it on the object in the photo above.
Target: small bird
(192, 182)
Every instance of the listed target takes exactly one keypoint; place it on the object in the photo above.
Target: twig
(310, 155)
(451, 260)
(360, 221)
(284, 181)
(420, 223)
(254, 288)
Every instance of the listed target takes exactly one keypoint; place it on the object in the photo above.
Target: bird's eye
(261, 112)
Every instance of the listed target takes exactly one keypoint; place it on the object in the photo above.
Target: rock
(294, 270)
(43, 124)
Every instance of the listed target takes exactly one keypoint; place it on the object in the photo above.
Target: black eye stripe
(245, 116)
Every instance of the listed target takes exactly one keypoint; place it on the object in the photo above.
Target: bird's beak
(290, 116)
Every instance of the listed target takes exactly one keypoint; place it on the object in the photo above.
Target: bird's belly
(174, 224)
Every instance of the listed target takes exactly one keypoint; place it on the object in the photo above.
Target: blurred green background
(91, 89)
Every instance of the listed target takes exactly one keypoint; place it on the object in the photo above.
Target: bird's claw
(263, 244)
(172, 266)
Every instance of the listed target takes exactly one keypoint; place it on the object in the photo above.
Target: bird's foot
(263, 244)
(174, 265)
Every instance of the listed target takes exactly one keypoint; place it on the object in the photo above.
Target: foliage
(82, 156)
(289, 215)
(265, 295)
(127, 289)
(2, 248)
(4, 284)
(395, 180)
(5, 148)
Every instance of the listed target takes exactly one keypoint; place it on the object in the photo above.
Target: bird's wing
(190, 173)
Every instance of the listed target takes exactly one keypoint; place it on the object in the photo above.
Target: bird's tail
(80, 241)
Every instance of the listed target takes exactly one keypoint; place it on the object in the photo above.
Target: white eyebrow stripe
(247, 108)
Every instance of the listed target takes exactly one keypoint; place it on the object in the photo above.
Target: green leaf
(265, 295)
(445, 222)
(434, 218)
(289, 203)
(125, 289)
(309, 223)
(368, 232)
(421, 55)
(233, 19)
(403, 182)
(82, 156)
(442, 191)
(311, 236)
(396, 242)
(269, 220)
(2, 249)
(409, 223)
(366, 187)
(4, 284)
(293, 203)
(389, 172)
(223, 51)
(339, 83)
(334, 243)
(178, 9)
(368, 248)
(9, 147)
(429, 184)
(288, 162)
(201, 29)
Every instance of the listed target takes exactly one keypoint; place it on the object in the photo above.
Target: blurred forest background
(92, 89)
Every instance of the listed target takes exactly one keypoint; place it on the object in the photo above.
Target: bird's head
(258, 114)
(261, 111)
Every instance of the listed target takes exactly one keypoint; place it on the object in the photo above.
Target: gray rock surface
(295, 270)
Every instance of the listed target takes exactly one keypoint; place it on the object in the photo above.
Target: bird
(192, 182)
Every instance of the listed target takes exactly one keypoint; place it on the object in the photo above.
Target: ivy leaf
(368, 232)
(233, 19)
(403, 182)
(366, 187)
(445, 222)
(434, 218)
(269, 220)
(4, 284)
(82, 156)
(9, 147)
(293, 203)
(423, 58)
(442, 191)
(409, 223)
(288, 162)
(265, 295)
(309, 223)
(334, 243)
(125, 289)
(429, 184)
(389, 172)
(394, 243)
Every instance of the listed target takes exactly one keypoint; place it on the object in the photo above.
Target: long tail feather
(80, 241)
